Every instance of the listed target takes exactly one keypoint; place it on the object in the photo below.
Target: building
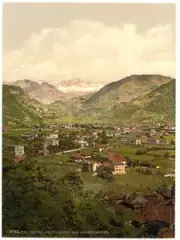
(162, 212)
(116, 162)
(82, 143)
(117, 133)
(19, 151)
(95, 166)
(153, 141)
(52, 136)
(138, 141)
(86, 155)
(44, 152)
(81, 157)
(95, 134)
(166, 233)
(29, 136)
(163, 142)
(109, 133)
(77, 157)
(152, 132)
(50, 142)
(172, 175)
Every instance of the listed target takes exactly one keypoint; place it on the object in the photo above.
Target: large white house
(19, 150)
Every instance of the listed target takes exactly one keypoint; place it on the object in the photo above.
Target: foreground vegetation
(51, 196)
(35, 203)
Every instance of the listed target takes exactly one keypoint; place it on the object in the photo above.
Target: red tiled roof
(76, 155)
(167, 234)
(113, 157)
(154, 212)
(19, 158)
(107, 164)
(86, 154)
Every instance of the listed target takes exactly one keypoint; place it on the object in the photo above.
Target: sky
(99, 43)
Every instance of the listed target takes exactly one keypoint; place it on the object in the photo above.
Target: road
(68, 151)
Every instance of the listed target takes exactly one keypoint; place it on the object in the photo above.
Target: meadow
(129, 182)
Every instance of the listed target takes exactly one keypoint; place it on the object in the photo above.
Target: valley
(153, 101)
(110, 149)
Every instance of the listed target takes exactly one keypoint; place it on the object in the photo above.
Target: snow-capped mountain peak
(78, 85)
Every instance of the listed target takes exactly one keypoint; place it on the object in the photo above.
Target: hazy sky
(94, 42)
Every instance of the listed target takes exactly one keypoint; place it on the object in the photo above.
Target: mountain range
(137, 98)
(48, 93)
(126, 100)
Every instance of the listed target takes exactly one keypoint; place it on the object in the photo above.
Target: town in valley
(88, 120)
(130, 167)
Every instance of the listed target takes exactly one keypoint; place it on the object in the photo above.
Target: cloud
(92, 51)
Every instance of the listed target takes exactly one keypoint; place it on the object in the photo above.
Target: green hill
(18, 108)
(125, 90)
(156, 106)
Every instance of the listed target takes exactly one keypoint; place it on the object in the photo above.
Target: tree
(104, 137)
(130, 163)
(73, 180)
(144, 170)
(141, 152)
(161, 189)
(105, 173)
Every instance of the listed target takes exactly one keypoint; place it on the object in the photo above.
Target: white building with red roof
(116, 162)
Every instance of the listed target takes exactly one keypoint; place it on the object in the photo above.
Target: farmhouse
(18, 152)
(77, 157)
(81, 157)
(116, 162)
(158, 212)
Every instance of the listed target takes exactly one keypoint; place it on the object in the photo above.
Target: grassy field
(161, 152)
(166, 165)
(170, 137)
(131, 181)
